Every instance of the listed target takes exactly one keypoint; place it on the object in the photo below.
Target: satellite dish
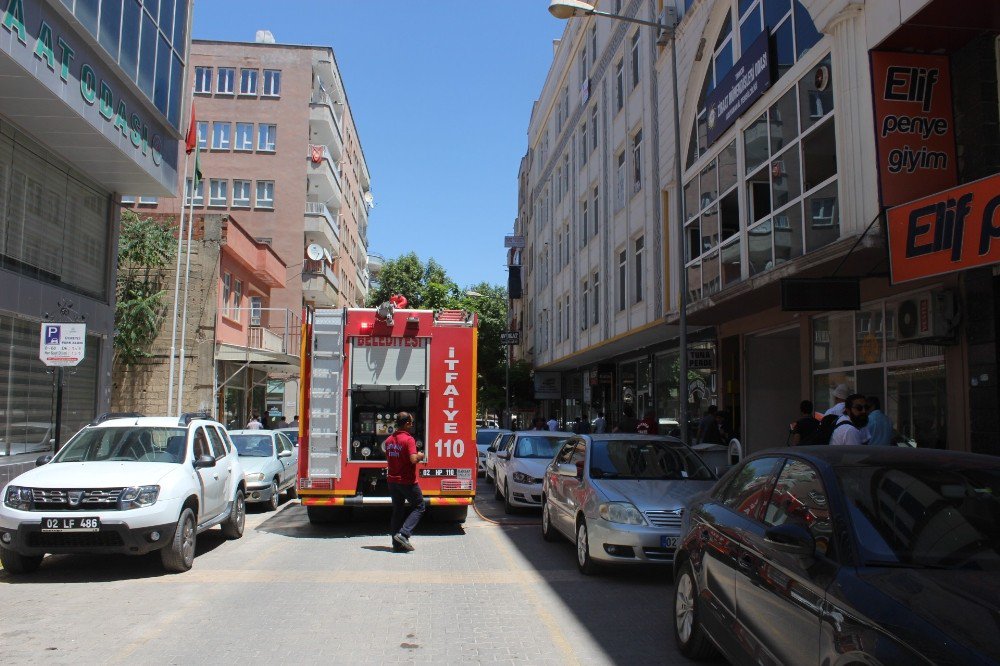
(369, 199)
(314, 252)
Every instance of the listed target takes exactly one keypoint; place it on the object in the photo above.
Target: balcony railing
(320, 209)
(319, 153)
(322, 99)
(270, 329)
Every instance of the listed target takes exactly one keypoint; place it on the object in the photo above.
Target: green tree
(425, 286)
(145, 249)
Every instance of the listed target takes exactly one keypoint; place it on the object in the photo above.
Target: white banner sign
(62, 344)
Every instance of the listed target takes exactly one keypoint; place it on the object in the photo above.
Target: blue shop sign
(745, 83)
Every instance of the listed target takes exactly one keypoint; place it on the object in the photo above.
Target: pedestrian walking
(553, 424)
(879, 425)
(627, 422)
(648, 425)
(805, 425)
(581, 426)
(539, 424)
(254, 423)
(839, 396)
(282, 423)
(708, 427)
(850, 427)
(295, 422)
(600, 425)
(402, 458)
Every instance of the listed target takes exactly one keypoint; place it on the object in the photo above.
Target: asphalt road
(489, 591)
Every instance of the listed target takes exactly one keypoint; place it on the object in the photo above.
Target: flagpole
(187, 284)
(177, 288)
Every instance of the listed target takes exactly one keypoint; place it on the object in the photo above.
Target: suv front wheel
(178, 556)
(16, 563)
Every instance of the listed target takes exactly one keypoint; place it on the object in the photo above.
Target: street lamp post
(666, 25)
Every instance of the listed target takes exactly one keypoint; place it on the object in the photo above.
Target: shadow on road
(293, 522)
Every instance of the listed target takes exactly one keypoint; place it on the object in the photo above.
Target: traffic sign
(62, 344)
(510, 337)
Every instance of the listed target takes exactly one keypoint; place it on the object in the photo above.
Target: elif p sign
(62, 344)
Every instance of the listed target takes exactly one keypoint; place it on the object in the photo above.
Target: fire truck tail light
(305, 483)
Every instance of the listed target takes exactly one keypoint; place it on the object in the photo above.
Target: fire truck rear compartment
(373, 414)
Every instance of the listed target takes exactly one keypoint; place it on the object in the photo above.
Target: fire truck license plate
(439, 471)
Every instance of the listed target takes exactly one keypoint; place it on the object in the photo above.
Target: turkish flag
(191, 140)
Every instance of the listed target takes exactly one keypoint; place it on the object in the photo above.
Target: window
(248, 81)
(225, 81)
(221, 135)
(244, 137)
(559, 318)
(203, 135)
(593, 127)
(237, 300)
(128, 199)
(201, 446)
(217, 443)
(584, 223)
(266, 137)
(203, 80)
(241, 193)
(619, 85)
(620, 182)
(265, 194)
(799, 498)
(568, 319)
(227, 288)
(596, 209)
(622, 274)
(640, 244)
(584, 305)
(596, 298)
(148, 201)
(218, 192)
(272, 82)
(199, 193)
(637, 162)
(584, 144)
(584, 62)
(593, 44)
(635, 59)
(750, 487)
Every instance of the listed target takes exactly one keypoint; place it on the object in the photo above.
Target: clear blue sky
(441, 92)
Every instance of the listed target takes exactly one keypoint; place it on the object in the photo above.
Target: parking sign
(62, 344)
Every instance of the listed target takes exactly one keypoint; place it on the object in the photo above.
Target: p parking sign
(62, 344)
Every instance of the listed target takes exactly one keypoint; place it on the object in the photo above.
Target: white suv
(126, 485)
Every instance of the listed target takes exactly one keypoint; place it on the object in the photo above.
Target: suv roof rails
(187, 417)
(106, 416)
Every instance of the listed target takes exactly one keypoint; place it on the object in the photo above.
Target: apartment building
(91, 106)
(791, 168)
(280, 153)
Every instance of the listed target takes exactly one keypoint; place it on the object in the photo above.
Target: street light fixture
(666, 25)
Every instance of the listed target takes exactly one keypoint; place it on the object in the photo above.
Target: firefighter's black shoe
(401, 539)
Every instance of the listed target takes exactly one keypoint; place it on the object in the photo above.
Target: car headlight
(18, 497)
(621, 512)
(521, 477)
(137, 497)
(254, 476)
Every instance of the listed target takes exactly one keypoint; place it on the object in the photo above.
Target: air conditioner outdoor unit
(928, 318)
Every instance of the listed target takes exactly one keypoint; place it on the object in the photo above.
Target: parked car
(844, 554)
(490, 464)
(620, 497)
(485, 437)
(126, 485)
(520, 466)
(291, 433)
(270, 465)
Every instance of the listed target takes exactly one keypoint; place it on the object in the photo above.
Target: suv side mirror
(566, 469)
(43, 460)
(204, 461)
(503, 455)
(792, 539)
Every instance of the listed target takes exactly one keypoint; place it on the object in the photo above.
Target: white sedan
(520, 466)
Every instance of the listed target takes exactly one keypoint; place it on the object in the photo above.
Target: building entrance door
(773, 388)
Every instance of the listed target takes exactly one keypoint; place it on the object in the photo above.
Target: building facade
(782, 132)
(280, 152)
(90, 107)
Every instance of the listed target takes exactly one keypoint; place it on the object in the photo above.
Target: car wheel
(233, 527)
(508, 508)
(178, 556)
(16, 563)
(548, 533)
(496, 490)
(584, 562)
(272, 504)
(690, 635)
(292, 492)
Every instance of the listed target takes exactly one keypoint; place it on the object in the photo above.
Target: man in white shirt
(553, 424)
(839, 396)
(850, 428)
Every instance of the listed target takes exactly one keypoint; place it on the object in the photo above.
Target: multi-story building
(91, 106)
(799, 130)
(280, 152)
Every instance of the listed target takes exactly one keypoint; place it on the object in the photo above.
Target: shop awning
(271, 361)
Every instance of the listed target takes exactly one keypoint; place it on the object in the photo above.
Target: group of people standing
(854, 419)
(258, 423)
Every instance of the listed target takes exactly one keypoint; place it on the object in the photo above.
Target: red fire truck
(360, 367)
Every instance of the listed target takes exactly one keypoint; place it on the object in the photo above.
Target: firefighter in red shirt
(402, 458)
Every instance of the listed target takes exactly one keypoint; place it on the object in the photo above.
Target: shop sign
(949, 231)
(547, 386)
(701, 359)
(513, 241)
(914, 129)
(62, 344)
(510, 337)
(745, 83)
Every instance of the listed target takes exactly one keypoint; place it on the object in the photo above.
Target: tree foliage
(425, 286)
(145, 249)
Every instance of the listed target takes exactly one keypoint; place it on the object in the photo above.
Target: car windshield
(535, 446)
(132, 443)
(253, 446)
(925, 517)
(486, 437)
(645, 459)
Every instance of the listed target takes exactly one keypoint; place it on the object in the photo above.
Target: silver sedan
(620, 497)
(270, 463)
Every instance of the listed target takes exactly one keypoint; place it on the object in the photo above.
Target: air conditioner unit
(927, 318)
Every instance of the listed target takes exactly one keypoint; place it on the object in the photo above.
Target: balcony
(322, 226)
(324, 123)
(320, 285)
(269, 336)
(323, 176)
